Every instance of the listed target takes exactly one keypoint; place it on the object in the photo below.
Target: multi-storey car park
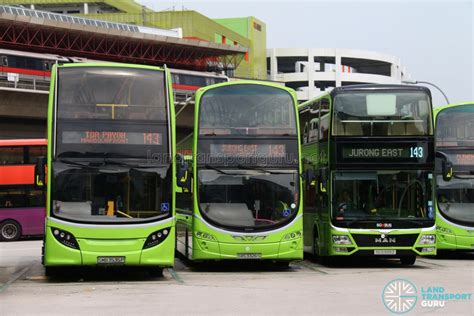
(311, 71)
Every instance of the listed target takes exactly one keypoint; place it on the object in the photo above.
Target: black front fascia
(372, 153)
(260, 151)
(395, 223)
(392, 240)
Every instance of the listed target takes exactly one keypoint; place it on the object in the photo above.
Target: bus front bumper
(215, 250)
(97, 252)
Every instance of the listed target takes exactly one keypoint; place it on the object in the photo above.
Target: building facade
(248, 32)
(312, 70)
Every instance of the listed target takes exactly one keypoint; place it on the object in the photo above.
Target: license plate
(110, 260)
(385, 252)
(249, 255)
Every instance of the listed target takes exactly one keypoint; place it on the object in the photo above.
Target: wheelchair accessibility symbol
(165, 207)
(286, 212)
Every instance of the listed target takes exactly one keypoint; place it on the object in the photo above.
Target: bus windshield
(382, 114)
(110, 193)
(112, 161)
(455, 127)
(247, 198)
(383, 195)
(246, 109)
(456, 199)
(113, 110)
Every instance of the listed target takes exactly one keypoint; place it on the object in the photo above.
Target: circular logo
(399, 296)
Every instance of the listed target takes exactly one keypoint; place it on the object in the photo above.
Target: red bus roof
(23, 142)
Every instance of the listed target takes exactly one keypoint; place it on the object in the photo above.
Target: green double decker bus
(244, 191)
(455, 194)
(368, 158)
(110, 167)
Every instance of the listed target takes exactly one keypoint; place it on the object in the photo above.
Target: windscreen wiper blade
(128, 164)
(260, 169)
(208, 166)
(75, 163)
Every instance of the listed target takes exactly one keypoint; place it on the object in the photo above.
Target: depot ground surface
(307, 287)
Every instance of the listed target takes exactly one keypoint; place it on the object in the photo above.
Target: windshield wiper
(208, 166)
(128, 164)
(75, 163)
(260, 169)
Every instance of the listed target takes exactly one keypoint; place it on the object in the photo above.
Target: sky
(433, 39)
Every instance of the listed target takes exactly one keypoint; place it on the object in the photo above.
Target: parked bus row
(353, 172)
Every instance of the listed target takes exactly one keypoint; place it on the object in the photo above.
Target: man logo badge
(385, 240)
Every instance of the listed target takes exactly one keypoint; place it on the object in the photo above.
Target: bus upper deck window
(4, 61)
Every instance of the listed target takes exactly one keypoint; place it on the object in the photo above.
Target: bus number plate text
(249, 255)
(381, 252)
(111, 260)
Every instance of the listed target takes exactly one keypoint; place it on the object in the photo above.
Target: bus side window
(305, 133)
(12, 155)
(4, 61)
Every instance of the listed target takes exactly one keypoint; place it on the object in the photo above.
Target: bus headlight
(293, 235)
(157, 237)
(428, 239)
(207, 236)
(65, 238)
(341, 240)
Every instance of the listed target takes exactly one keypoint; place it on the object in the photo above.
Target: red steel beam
(113, 48)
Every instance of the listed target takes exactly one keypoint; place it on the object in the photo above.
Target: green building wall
(248, 32)
(256, 31)
(199, 27)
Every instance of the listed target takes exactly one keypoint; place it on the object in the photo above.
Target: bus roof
(364, 87)
(23, 142)
(447, 106)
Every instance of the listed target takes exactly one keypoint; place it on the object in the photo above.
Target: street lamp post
(428, 83)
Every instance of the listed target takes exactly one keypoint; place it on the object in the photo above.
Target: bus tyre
(155, 272)
(408, 260)
(283, 264)
(10, 230)
(327, 260)
(53, 272)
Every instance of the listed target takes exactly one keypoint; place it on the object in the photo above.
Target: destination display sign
(350, 152)
(378, 152)
(110, 138)
(248, 150)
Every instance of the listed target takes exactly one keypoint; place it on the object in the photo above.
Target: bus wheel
(53, 271)
(408, 260)
(10, 230)
(284, 264)
(155, 272)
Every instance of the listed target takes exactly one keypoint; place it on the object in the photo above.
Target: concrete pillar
(310, 74)
(86, 8)
(273, 64)
(338, 68)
